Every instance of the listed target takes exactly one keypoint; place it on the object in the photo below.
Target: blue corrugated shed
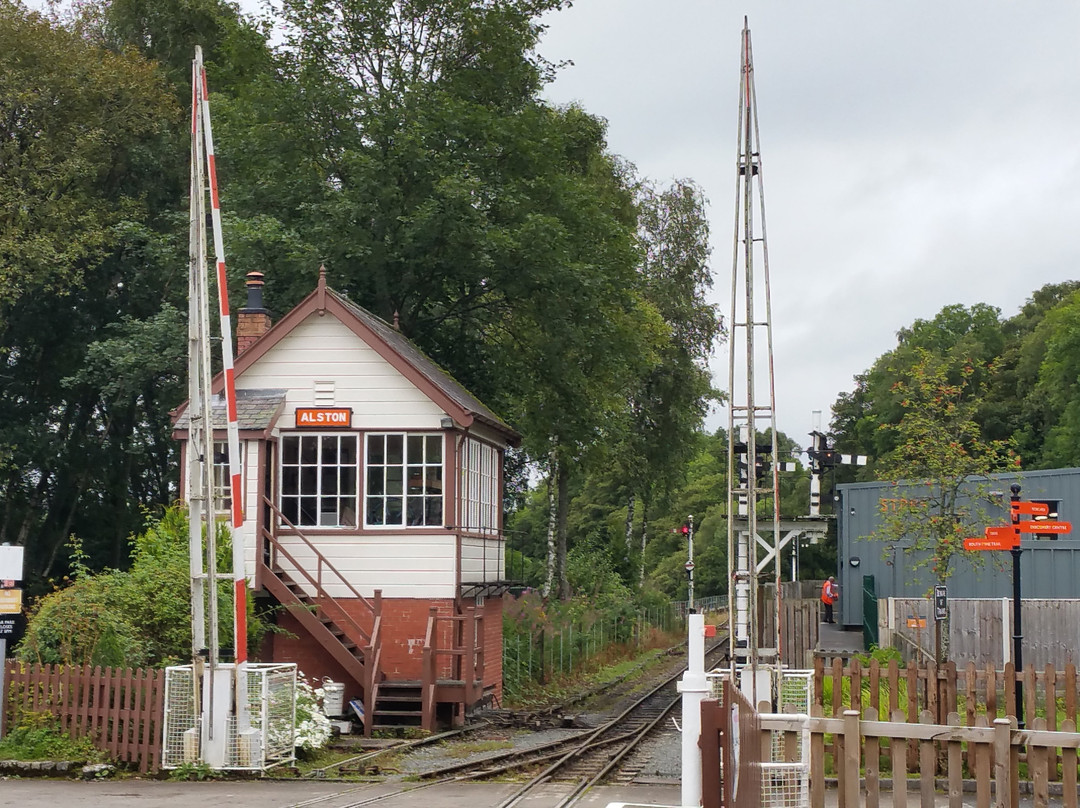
(1048, 568)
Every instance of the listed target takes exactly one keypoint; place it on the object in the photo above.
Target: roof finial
(397, 321)
(320, 289)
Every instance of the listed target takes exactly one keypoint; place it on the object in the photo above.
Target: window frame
(339, 497)
(221, 487)
(407, 463)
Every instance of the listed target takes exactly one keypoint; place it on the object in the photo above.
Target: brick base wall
(404, 625)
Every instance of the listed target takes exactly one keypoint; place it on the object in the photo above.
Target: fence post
(851, 758)
(1002, 774)
(817, 761)
(709, 742)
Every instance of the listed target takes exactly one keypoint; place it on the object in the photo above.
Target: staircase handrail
(428, 676)
(323, 560)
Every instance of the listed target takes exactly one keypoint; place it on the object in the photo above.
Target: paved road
(153, 794)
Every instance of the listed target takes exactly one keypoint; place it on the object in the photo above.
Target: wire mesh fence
(559, 645)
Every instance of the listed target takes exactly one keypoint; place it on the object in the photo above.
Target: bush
(312, 726)
(129, 619)
(38, 736)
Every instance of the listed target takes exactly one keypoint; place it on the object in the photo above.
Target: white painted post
(1006, 634)
(694, 687)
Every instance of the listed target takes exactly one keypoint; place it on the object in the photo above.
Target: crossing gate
(271, 701)
(784, 779)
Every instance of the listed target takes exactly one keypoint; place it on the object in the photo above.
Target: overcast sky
(914, 155)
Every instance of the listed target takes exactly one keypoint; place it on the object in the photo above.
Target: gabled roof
(391, 345)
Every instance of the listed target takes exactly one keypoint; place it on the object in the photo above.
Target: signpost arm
(1018, 652)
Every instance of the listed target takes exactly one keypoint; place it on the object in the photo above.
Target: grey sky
(915, 154)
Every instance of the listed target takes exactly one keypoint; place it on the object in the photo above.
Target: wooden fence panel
(940, 749)
(121, 711)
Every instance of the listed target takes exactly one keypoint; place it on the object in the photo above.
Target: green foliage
(37, 736)
(134, 618)
(195, 771)
(1022, 384)
(940, 467)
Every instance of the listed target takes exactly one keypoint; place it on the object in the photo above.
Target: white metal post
(694, 687)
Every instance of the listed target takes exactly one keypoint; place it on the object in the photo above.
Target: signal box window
(222, 478)
(404, 480)
(319, 480)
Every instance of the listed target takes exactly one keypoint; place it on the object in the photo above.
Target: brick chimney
(253, 320)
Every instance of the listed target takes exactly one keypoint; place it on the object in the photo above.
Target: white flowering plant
(312, 725)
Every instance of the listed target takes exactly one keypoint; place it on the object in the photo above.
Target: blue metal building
(1049, 567)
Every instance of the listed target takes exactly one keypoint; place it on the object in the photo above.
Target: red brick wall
(493, 644)
(404, 625)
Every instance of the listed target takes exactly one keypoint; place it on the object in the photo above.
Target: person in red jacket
(830, 593)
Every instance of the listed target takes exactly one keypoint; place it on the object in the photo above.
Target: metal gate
(869, 612)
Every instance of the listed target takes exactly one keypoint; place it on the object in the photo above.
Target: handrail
(428, 676)
(371, 687)
(321, 558)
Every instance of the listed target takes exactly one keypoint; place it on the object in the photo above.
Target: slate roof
(402, 346)
(255, 410)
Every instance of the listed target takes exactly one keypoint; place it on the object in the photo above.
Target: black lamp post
(1018, 650)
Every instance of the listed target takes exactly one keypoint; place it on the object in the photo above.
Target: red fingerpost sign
(1044, 527)
(1031, 508)
(988, 544)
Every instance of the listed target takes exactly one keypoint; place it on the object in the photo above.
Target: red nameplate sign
(1031, 508)
(340, 417)
(1045, 527)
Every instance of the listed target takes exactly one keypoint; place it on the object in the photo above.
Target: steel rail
(592, 741)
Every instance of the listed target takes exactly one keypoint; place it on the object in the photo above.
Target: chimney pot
(253, 320)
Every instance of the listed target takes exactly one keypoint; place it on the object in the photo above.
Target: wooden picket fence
(978, 696)
(121, 710)
(866, 742)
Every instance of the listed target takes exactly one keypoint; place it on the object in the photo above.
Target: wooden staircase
(399, 704)
(387, 703)
(307, 599)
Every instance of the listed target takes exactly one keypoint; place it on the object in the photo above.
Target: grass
(463, 750)
(614, 663)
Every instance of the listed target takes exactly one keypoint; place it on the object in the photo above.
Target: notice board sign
(941, 602)
(10, 601)
(7, 626)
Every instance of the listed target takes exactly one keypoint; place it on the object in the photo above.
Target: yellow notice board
(10, 601)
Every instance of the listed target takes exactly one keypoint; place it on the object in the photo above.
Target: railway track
(582, 760)
(599, 753)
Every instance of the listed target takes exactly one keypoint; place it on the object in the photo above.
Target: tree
(940, 467)
(86, 167)
(671, 399)
(76, 128)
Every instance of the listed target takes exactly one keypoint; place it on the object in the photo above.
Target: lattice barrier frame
(271, 697)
